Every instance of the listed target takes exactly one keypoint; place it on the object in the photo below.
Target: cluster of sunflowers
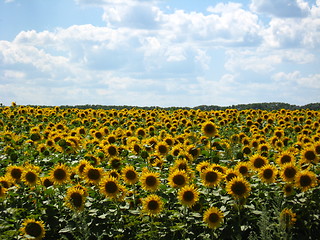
(210, 170)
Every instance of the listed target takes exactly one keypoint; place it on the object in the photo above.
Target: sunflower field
(68, 173)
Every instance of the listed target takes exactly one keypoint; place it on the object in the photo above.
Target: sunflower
(309, 155)
(238, 187)
(305, 180)
(210, 177)
(258, 161)
(268, 173)
(33, 228)
(288, 189)
(130, 175)
(111, 150)
(2, 191)
(30, 175)
(59, 174)
(5, 182)
(14, 173)
(285, 157)
(178, 178)
(287, 218)
(162, 148)
(115, 162)
(209, 129)
(76, 197)
(110, 187)
(213, 217)
(193, 150)
(231, 173)
(81, 166)
(288, 172)
(202, 166)
(150, 181)
(152, 205)
(46, 181)
(92, 174)
(188, 195)
(181, 164)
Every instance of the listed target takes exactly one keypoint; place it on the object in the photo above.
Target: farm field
(159, 174)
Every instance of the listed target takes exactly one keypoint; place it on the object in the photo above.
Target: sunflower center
(230, 176)
(111, 187)
(246, 150)
(268, 173)
(112, 151)
(31, 177)
(213, 217)
(290, 172)
(131, 175)
(47, 182)
(153, 205)
(16, 173)
(33, 229)
(151, 181)
(94, 174)
(111, 139)
(258, 163)
(5, 184)
(243, 170)
(211, 177)
(310, 155)
(76, 199)
(209, 129)
(239, 188)
(162, 149)
(81, 168)
(188, 196)
(60, 174)
(285, 159)
(115, 163)
(305, 181)
(182, 166)
(179, 180)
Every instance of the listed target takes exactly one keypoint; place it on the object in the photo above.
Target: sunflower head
(268, 173)
(210, 177)
(305, 180)
(309, 155)
(59, 174)
(130, 175)
(75, 198)
(288, 189)
(209, 129)
(178, 178)
(238, 187)
(188, 195)
(213, 217)
(288, 172)
(93, 174)
(14, 173)
(285, 157)
(287, 218)
(152, 205)
(33, 228)
(258, 161)
(2, 191)
(150, 181)
(110, 187)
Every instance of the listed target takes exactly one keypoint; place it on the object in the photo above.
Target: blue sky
(159, 53)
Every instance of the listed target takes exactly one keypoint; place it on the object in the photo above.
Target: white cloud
(312, 81)
(281, 8)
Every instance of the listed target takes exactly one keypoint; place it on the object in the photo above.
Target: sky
(181, 53)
